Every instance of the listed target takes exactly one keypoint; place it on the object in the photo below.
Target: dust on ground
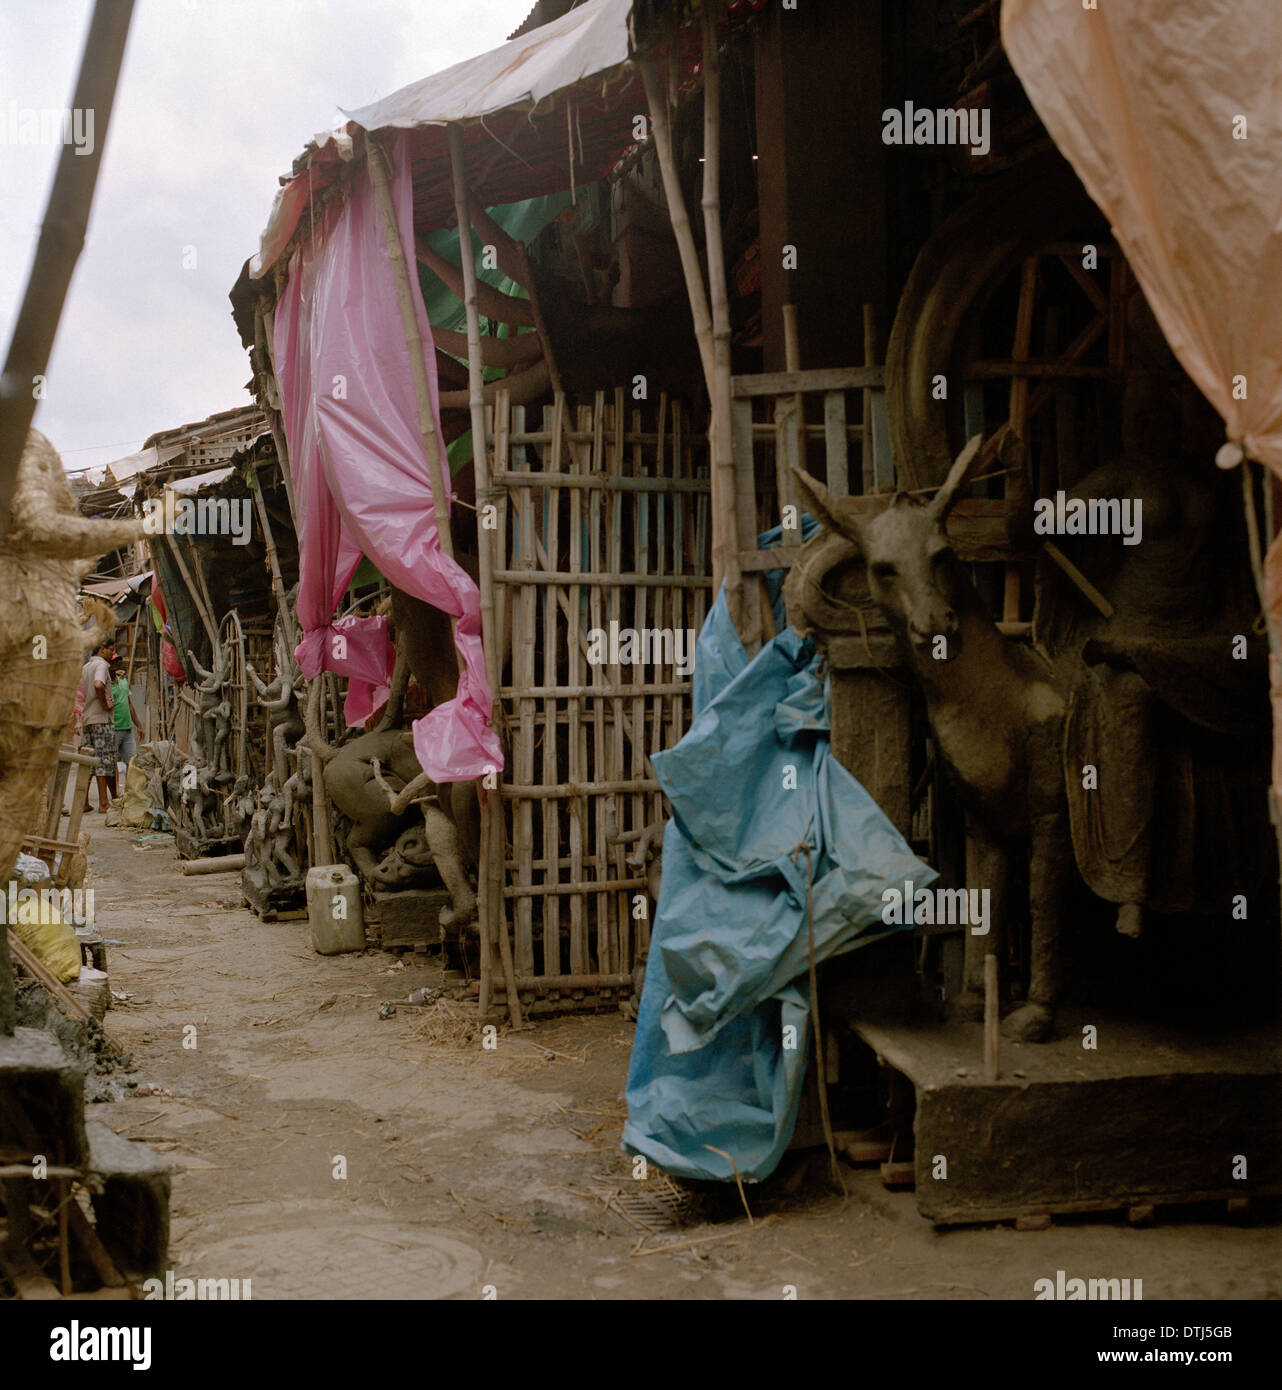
(468, 1169)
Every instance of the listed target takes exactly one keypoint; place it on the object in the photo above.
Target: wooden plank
(836, 454)
(586, 980)
(822, 379)
(766, 430)
(778, 557)
(607, 484)
(867, 442)
(741, 437)
(899, 1174)
(787, 454)
(882, 460)
(608, 580)
(65, 1000)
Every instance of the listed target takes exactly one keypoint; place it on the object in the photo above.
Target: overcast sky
(216, 99)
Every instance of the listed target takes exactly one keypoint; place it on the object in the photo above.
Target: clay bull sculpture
(996, 710)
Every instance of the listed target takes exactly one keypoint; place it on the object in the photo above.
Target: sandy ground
(466, 1168)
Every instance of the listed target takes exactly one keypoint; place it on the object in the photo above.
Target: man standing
(97, 721)
(126, 716)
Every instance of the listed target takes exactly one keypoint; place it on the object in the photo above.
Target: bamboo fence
(604, 518)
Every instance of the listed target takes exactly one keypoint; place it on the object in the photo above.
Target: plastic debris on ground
(723, 1031)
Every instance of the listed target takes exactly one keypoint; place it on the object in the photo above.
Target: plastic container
(334, 909)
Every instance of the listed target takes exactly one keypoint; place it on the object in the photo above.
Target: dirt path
(467, 1168)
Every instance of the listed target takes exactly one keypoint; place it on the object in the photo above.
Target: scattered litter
(148, 1088)
(549, 1056)
(450, 1024)
(386, 1010)
(29, 869)
(426, 995)
(152, 841)
(391, 969)
(120, 996)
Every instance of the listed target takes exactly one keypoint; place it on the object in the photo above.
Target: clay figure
(996, 710)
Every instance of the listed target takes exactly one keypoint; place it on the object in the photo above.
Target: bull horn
(823, 506)
(957, 474)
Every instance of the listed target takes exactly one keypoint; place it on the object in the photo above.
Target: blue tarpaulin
(722, 1036)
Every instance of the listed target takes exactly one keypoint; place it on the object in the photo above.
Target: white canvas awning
(588, 40)
(591, 39)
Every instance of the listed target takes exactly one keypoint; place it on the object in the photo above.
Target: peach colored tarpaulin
(1170, 111)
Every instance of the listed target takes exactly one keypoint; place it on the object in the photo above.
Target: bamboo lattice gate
(602, 519)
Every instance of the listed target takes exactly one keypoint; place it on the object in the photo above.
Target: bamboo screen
(603, 526)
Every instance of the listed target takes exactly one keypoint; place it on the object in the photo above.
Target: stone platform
(1152, 1115)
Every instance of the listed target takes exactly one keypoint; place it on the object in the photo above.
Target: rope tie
(820, 1070)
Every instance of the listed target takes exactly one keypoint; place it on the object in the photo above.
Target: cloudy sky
(216, 99)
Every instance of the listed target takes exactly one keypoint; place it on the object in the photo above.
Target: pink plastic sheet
(360, 472)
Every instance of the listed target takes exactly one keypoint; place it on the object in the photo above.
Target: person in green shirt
(126, 716)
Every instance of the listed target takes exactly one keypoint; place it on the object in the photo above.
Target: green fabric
(120, 699)
(367, 573)
(521, 221)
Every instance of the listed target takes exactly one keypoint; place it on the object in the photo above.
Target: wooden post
(866, 437)
(656, 99)
(792, 363)
(490, 880)
(322, 843)
(991, 1037)
(725, 533)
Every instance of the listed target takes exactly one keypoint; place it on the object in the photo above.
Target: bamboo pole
(62, 236)
(725, 534)
(266, 316)
(199, 570)
(222, 864)
(197, 602)
(490, 884)
(991, 1036)
(656, 100)
(273, 556)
